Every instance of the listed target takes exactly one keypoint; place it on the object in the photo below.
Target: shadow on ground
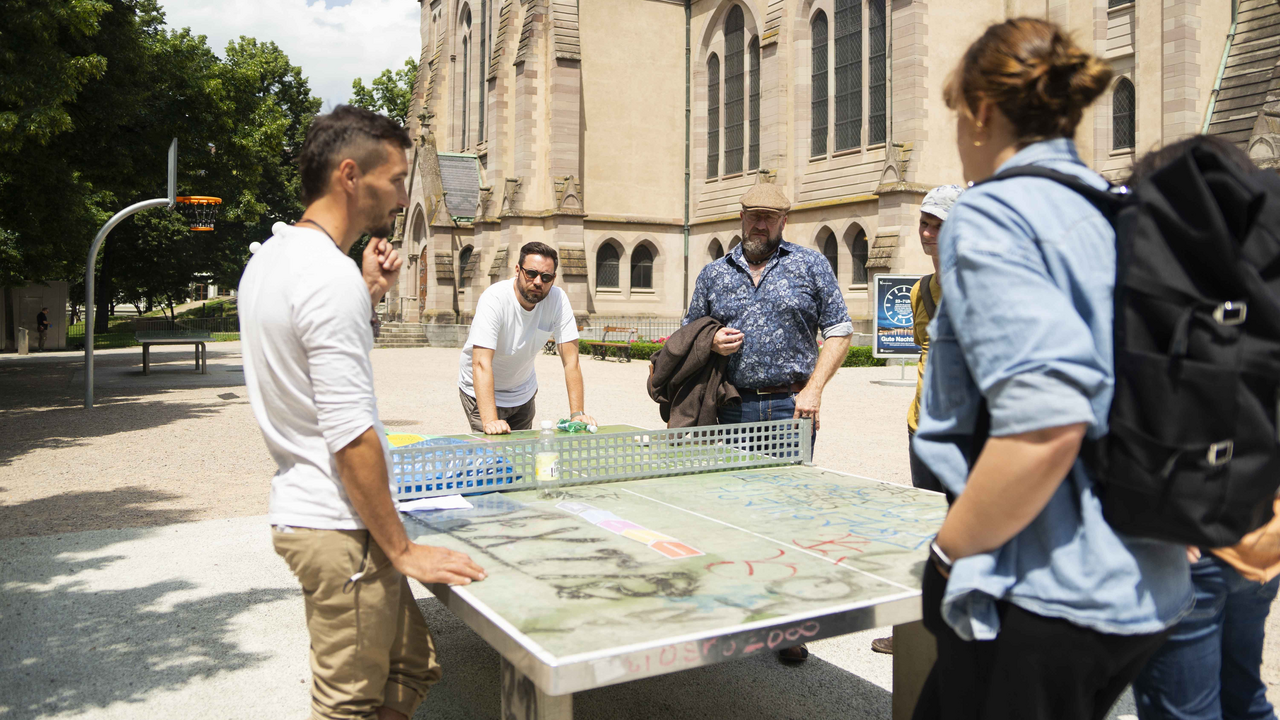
(28, 430)
(91, 510)
(755, 687)
(68, 648)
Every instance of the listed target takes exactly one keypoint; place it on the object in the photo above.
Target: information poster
(894, 334)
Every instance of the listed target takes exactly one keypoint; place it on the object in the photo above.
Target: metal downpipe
(688, 21)
(88, 287)
(1222, 68)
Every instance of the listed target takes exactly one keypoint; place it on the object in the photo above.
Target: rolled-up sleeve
(1034, 358)
(332, 318)
(833, 311)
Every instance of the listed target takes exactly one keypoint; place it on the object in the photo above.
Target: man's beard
(530, 295)
(760, 248)
(384, 230)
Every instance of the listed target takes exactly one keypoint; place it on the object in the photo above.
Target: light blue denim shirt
(1028, 271)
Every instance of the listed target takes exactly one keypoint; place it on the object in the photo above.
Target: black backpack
(1193, 452)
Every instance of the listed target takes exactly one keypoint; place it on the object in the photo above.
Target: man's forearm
(1010, 484)
(830, 358)
(486, 399)
(363, 470)
(573, 383)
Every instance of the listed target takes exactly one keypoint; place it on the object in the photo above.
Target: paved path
(174, 600)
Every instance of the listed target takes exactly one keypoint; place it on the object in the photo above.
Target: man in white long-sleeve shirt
(305, 326)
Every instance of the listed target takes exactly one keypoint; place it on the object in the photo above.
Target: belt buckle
(1220, 453)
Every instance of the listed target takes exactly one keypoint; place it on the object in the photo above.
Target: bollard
(23, 341)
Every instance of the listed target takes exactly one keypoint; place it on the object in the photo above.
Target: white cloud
(332, 45)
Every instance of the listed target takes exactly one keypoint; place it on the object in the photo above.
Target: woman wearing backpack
(1210, 667)
(1039, 608)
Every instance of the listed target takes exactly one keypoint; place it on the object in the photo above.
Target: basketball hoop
(199, 210)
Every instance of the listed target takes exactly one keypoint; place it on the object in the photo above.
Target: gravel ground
(176, 446)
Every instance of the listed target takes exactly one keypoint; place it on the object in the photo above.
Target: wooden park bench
(602, 348)
(197, 338)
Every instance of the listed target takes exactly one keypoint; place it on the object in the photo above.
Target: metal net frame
(451, 466)
(201, 211)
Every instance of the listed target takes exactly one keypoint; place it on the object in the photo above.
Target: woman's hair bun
(1033, 71)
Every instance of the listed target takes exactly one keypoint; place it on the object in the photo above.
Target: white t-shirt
(304, 329)
(516, 336)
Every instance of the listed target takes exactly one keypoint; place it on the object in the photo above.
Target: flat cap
(765, 196)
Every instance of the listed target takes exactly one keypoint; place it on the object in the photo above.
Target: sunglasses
(534, 274)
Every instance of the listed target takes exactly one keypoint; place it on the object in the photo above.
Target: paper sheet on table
(444, 502)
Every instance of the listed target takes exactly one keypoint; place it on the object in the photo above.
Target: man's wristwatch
(939, 558)
(574, 415)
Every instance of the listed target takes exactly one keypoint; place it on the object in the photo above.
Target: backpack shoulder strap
(926, 296)
(1108, 202)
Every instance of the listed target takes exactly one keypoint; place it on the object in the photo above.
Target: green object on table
(575, 426)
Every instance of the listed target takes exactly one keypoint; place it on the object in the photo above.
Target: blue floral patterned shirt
(780, 318)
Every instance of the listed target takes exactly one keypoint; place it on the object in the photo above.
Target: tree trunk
(102, 300)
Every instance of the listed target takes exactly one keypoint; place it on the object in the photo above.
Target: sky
(333, 41)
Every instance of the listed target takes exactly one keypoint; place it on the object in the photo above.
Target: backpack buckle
(1231, 313)
(1220, 453)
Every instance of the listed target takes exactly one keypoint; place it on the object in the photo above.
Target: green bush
(638, 350)
(860, 356)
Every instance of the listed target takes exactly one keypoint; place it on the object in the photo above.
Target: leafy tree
(391, 94)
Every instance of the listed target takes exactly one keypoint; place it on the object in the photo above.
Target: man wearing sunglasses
(496, 379)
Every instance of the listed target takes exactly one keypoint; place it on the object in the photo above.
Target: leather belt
(794, 387)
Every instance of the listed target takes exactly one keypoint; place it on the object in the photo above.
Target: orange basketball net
(200, 210)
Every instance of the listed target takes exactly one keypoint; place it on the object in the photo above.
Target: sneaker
(883, 645)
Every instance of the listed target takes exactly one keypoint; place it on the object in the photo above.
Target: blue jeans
(759, 408)
(1209, 668)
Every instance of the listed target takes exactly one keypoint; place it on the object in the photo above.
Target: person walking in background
(773, 298)
(42, 326)
(925, 296)
(496, 379)
(1039, 608)
(304, 318)
(1210, 667)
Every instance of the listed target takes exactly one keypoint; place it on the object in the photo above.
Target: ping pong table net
(449, 466)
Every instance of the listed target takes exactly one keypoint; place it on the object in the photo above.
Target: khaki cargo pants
(369, 644)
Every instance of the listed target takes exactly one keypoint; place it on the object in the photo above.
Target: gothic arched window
(642, 268)
(830, 250)
(484, 61)
(877, 129)
(733, 90)
(715, 250)
(753, 152)
(607, 266)
(818, 134)
(713, 116)
(858, 249)
(848, 74)
(1122, 115)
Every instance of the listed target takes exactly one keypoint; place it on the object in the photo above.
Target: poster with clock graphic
(894, 334)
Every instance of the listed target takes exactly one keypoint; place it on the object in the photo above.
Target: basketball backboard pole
(169, 202)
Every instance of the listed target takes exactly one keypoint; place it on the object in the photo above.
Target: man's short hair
(543, 249)
(347, 132)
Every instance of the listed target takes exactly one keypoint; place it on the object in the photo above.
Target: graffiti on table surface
(764, 569)
(728, 647)
(665, 545)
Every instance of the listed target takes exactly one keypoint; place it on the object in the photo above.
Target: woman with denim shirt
(1039, 608)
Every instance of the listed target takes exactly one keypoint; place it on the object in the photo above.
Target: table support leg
(522, 700)
(914, 651)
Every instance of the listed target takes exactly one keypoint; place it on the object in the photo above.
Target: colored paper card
(619, 526)
(645, 536)
(402, 439)
(574, 507)
(595, 517)
(674, 549)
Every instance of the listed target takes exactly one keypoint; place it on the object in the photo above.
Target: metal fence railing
(648, 329)
(220, 328)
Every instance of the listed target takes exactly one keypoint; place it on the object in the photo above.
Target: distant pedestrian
(42, 326)
(1211, 666)
(305, 324)
(1039, 609)
(773, 298)
(925, 296)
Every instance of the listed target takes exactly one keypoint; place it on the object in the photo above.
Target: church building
(623, 132)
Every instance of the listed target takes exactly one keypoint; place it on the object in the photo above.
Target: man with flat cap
(773, 298)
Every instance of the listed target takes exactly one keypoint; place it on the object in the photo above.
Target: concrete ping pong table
(668, 550)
